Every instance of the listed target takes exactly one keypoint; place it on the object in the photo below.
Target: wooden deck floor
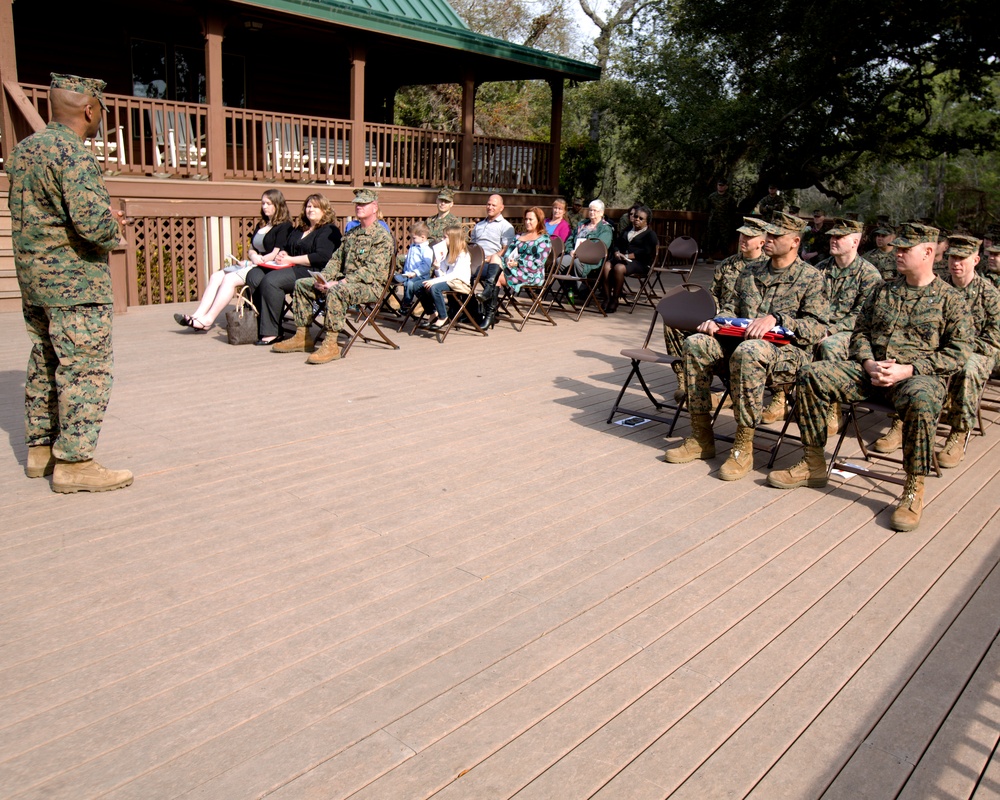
(438, 572)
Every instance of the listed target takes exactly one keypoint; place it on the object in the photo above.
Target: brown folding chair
(459, 303)
(366, 317)
(562, 284)
(683, 307)
(646, 282)
(513, 312)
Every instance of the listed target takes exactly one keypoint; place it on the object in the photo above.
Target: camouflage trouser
(338, 300)
(835, 347)
(69, 378)
(750, 362)
(674, 340)
(917, 401)
(964, 390)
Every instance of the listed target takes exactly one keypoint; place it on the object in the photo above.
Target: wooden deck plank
(463, 581)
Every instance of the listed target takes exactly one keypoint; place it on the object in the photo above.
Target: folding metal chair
(562, 284)
(683, 307)
(858, 410)
(679, 258)
(646, 288)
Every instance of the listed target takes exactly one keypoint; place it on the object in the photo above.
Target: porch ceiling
(428, 22)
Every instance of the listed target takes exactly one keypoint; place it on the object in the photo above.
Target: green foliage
(801, 94)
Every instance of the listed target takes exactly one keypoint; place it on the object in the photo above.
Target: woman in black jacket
(309, 247)
(632, 254)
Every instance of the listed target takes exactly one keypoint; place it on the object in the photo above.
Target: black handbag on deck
(241, 322)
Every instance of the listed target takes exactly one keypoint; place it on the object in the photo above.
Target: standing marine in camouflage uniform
(356, 273)
(883, 255)
(910, 335)
(63, 229)
(992, 270)
(983, 301)
(781, 291)
(770, 202)
(444, 217)
(721, 218)
(751, 246)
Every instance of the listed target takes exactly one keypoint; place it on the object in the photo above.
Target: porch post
(358, 58)
(8, 72)
(468, 128)
(555, 133)
(215, 135)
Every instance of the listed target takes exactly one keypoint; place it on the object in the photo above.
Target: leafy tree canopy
(800, 93)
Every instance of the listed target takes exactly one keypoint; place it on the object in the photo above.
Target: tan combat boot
(810, 471)
(700, 444)
(301, 342)
(953, 452)
(41, 462)
(740, 460)
(906, 517)
(88, 476)
(892, 441)
(681, 391)
(833, 420)
(776, 408)
(329, 350)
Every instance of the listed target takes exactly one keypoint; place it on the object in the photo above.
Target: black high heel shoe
(183, 320)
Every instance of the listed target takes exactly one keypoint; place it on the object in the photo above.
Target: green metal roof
(430, 21)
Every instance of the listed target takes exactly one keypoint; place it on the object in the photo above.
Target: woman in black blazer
(269, 238)
(632, 254)
(309, 247)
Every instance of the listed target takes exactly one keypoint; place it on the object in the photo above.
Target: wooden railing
(510, 164)
(144, 136)
(163, 138)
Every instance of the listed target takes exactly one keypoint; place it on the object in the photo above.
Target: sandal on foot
(183, 320)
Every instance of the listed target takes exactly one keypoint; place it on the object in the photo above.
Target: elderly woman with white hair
(594, 227)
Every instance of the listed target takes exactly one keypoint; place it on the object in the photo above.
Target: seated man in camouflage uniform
(910, 335)
(783, 290)
(751, 249)
(356, 273)
(983, 301)
(444, 217)
(849, 279)
(883, 255)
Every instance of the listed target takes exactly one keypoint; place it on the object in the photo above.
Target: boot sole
(39, 472)
(73, 488)
(884, 451)
(812, 483)
(901, 527)
(687, 459)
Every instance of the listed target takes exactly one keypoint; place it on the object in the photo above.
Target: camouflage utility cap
(914, 233)
(782, 223)
(447, 195)
(74, 83)
(842, 227)
(363, 196)
(963, 246)
(883, 229)
(752, 226)
(995, 248)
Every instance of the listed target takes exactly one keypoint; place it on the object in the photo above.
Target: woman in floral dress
(525, 257)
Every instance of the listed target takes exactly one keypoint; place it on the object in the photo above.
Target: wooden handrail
(24, 105)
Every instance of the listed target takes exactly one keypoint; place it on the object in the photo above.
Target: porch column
(468, 128)
(555, 133)
(8, 72)
(215, 135)
(358, 57)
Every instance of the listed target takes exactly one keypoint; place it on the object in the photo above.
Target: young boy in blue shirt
(418, 265)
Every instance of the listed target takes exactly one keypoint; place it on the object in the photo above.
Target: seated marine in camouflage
(883, 255)
(751, 249)
(781, 291)
(911, 334)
